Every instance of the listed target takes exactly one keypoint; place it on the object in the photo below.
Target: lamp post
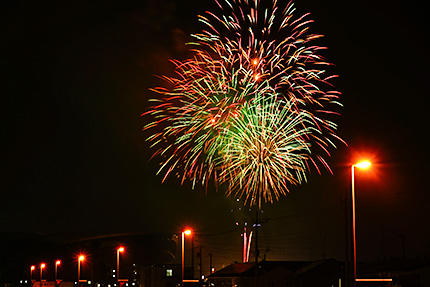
(361, 165)
(80, 258)
(187, 232)
(42, 266)
(118, 251)
(32, 268)
(57, 263)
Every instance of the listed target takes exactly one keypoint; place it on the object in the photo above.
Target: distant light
(257, 77)
(20, 281)
(81, 257)
(113, 270)
(203, 277)
(98, 285)
(133, 283)
(169, 272)
(89, 282)
(43, 265)
(32, 267)
(213, 269)
(58, 262)
(363, 164)
(126, 284)
(187, 232)
(121, 249)
(255, 61)
(113, 276)
(25, 281)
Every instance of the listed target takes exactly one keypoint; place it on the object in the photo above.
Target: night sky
(77, 78)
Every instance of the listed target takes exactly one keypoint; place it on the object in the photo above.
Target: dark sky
(77, 79)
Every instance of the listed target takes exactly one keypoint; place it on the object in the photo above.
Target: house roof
(248, 269)
(233, 270)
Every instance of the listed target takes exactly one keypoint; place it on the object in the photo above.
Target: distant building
(162, 275)
(405, 273)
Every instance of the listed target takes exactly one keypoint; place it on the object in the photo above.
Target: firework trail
(252, 109)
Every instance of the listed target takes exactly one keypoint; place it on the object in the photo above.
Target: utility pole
(257, 225)
(347, 267)
(200, 263)
(192, 257)
(403, 239)
(257, 251)
(210, 263)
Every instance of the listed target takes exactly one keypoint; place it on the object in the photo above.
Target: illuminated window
(169, 272)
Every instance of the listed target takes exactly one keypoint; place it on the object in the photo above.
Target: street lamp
(361, 165)
(118, 251)
(186, 232)
(42, 266)
(80, 258)
(32, 268)
(57, 263)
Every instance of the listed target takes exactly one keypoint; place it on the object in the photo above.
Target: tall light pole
(187, 232)
(42, 266)
(80, 258)
(118, 251)
(32, 268)
(57, 263)
(361, 165)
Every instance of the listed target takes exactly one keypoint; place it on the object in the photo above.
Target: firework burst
(252, 108)
(266, 149)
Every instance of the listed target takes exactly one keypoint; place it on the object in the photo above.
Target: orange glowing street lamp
(32, 268)
(186, 232)
(42, 266)
(118, 251)
(57, 263)
(365, 164)
(81, 258)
